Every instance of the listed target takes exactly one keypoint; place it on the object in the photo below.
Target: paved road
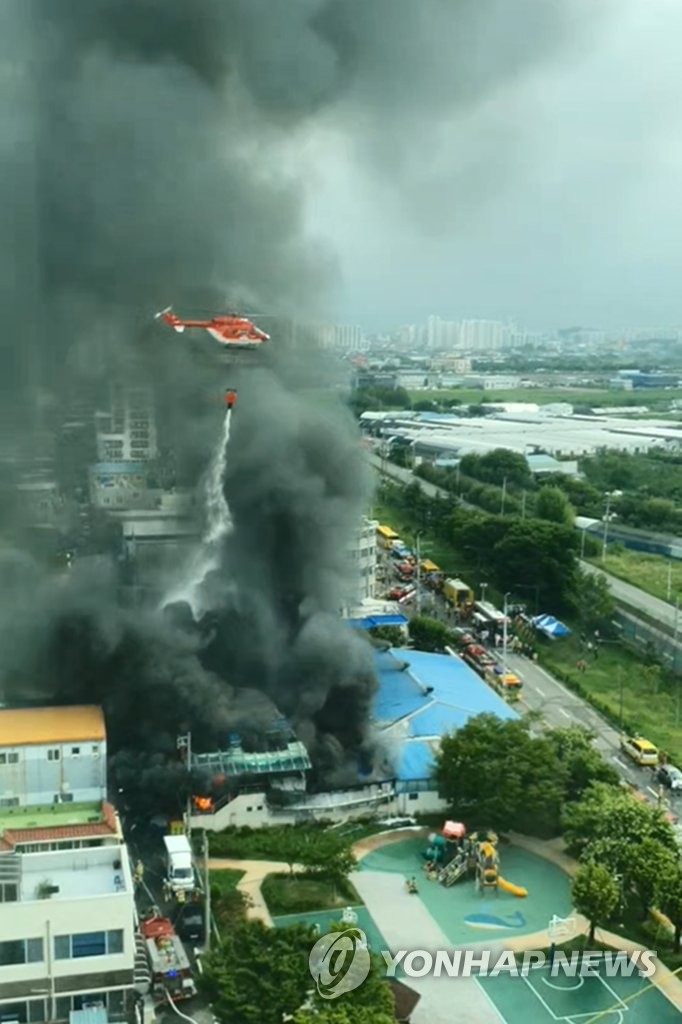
(558, 706)
(406, 476)
(659, 610)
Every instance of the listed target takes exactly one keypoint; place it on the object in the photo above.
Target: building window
(95, 750)
(71, 947)
(3, 758)
(9, 801)
(12, 1012)
(75, 751)
(21, 951)
(53, 754)
(413, 796)
(12, 759)
(9, 892)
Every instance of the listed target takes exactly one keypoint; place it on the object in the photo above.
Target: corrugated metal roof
(428, 695)
(374, 621)
(22, 726)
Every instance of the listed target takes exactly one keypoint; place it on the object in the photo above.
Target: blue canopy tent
(550, 626)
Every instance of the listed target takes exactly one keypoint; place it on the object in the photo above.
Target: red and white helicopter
(231, 330)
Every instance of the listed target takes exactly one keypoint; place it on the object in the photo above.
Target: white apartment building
(126, 432)
(364, 555)
(481, 335)
(52, 756)
(67, 911)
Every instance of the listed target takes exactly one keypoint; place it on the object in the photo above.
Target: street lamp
(484, 587)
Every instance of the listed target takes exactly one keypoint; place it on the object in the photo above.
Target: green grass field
(649, 572)
(546, 395)
(225, 880)
(649, 707)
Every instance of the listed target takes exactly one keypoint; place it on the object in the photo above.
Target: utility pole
(670, 580)
(504, 636)
(185, 743)
(504, 495)
(620, 692)
(207, 896)
(419, 575)
(484, 587)
(582, 543)
(606, 526)
(523, 505)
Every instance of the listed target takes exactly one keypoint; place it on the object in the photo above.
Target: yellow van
(639, 750)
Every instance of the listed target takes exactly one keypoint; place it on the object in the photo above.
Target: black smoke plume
(144, 150)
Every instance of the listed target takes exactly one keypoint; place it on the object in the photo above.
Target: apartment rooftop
(73, 874)
(56, 822)
(23, 726)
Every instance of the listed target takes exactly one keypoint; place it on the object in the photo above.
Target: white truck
(179, 867)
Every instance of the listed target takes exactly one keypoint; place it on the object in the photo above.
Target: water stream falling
(218, 524)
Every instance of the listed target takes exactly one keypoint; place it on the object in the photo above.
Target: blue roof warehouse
(422, 697)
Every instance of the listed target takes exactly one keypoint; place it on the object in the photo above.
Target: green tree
(258, 974)
(429, 634)
(553, 505)
(583, 763)
(340, 1012)
(651, 863)
(606, 812)
(669, 899)
(595, 894)
(495, 774)
(592, 600)
(537, 553)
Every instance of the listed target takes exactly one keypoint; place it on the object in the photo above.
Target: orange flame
(204, 804)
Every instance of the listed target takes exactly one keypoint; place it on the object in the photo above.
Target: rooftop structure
(22, 726)
(421, 697)
(58, 825)
(293, 757)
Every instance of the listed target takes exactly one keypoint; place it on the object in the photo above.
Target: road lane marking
(541, 692)
(652, 791)
(564, 713)
(618, 761)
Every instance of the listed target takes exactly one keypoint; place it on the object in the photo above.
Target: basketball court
(544, 999)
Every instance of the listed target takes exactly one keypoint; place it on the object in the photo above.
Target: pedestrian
(581, 665)
(590, 647)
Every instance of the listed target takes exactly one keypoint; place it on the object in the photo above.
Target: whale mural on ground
(508, 922)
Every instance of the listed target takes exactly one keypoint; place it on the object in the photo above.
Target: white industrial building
(564, 437)
(67, 912)
(52, 756)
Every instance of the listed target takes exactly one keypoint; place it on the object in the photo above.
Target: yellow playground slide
(515, 890)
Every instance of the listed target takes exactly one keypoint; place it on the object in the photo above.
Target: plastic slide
(515, 890)
(453, 872)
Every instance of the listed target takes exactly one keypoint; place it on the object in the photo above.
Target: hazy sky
(552, 195)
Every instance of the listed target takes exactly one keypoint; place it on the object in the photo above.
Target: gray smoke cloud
(146, 149)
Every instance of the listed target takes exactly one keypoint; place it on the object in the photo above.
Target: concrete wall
(252, 809)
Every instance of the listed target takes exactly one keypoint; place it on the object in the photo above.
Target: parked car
(639, 750)
(670, 776)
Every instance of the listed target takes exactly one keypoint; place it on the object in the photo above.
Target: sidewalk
(255, 871)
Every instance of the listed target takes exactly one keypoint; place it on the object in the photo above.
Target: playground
(543, 999)
(527, 891)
